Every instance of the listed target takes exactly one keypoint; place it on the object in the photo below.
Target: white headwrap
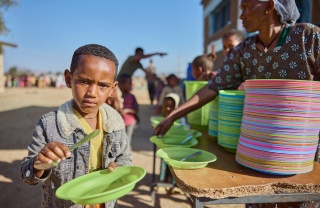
(175, 97)
(287, 10)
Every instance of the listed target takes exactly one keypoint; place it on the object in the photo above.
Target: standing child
(91, 79)
(171, 87)
(170, 103)
(130, 108)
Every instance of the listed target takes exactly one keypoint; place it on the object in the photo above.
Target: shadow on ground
(16, 130)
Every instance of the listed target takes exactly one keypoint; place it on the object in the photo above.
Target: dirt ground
(21, 108)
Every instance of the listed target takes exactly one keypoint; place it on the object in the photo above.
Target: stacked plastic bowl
(229, 118)
(280, 126)
(213, 118)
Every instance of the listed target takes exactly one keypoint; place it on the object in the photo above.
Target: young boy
(130, 108)
(91, 79)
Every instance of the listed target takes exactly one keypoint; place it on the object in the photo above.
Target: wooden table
(227, 182)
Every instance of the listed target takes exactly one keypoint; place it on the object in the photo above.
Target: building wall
(216, 38)
(315, 14)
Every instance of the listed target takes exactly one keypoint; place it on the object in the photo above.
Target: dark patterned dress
(296, 56)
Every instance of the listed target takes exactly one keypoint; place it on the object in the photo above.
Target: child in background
(130, 108)
(171, 87)
(159, 87)
(231, 39)
(202, 67)
(91, 79)
(170, 103)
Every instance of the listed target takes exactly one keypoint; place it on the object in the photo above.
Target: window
(219, 17)
(304, 9)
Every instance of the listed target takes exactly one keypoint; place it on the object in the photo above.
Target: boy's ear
(115, 84)
(67, 78)
(114, 88)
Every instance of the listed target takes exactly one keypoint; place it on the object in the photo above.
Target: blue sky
(48, 32)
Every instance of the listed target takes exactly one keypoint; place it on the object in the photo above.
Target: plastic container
(198, 119)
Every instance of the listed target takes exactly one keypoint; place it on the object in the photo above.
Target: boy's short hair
(124, 77)
(94, 50)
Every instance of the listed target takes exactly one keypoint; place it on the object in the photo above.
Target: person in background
(172, 86)
(202, 67)
(151, 79)
(231, 39)
(283, 49)
(170, 102)
(91, 79)
(159, 87)
(133, 62)
(130, 107)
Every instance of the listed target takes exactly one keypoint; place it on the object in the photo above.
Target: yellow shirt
(95, 160)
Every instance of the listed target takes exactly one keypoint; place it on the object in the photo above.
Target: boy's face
(91, 83)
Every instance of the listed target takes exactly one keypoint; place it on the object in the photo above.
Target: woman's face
(253, 14)
(228, 43)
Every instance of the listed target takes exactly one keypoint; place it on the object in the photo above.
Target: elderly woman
(283, 49)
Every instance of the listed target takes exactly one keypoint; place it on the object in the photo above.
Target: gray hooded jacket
(63, 126)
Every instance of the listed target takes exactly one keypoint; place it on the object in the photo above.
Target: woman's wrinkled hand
(162, 128)
(242, 86)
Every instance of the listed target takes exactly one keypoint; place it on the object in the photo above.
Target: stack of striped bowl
(229, 118)
(213, 118)
(280, 126)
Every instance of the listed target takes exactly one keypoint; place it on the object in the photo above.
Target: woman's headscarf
(287, 10)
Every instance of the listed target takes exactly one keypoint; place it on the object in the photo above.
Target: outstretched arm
(202, 97)
(139, 57)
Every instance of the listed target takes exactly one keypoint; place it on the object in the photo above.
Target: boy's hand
(54, 151)
(112, 166)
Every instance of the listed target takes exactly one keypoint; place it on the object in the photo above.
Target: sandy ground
(20, 110)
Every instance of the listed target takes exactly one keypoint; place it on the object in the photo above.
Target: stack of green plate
(213, 122)
(231, 104)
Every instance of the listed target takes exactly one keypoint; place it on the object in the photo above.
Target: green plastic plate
(155, 120)
(101, 186)
(173, 155)
(172, 141)
(183, 132)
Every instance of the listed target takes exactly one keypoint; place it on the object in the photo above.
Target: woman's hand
(242, 86)
(162, 128)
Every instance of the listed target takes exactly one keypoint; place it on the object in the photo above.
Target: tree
(4, 5)
(13, 71)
